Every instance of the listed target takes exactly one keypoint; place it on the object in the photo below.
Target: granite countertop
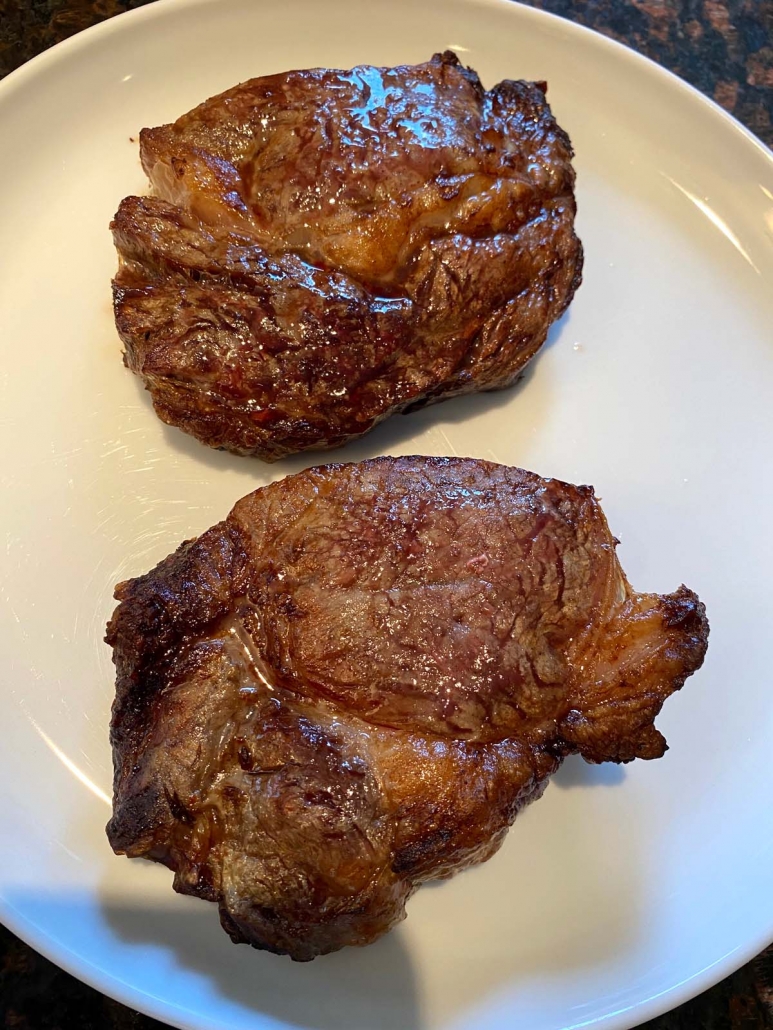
(725, 48)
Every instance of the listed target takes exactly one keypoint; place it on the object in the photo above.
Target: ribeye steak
(354, 683)
(326, 248)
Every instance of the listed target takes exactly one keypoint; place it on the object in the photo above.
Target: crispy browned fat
(354, 683)
(326, 248)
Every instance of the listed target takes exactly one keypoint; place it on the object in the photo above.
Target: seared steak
(354, 683)
(325, 248)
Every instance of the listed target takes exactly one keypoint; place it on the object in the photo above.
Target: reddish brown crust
(289, 287)
(356, 681)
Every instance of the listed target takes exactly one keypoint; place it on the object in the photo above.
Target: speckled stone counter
(725, 48)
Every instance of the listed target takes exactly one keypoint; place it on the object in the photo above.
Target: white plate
(624, 891)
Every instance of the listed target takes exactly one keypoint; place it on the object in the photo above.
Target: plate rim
(17, 78)
(109, 983)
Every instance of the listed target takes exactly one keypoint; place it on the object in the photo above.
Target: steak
(326, 248)
(354, 683)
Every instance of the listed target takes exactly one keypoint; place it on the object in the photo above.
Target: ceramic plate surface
(625, 890)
